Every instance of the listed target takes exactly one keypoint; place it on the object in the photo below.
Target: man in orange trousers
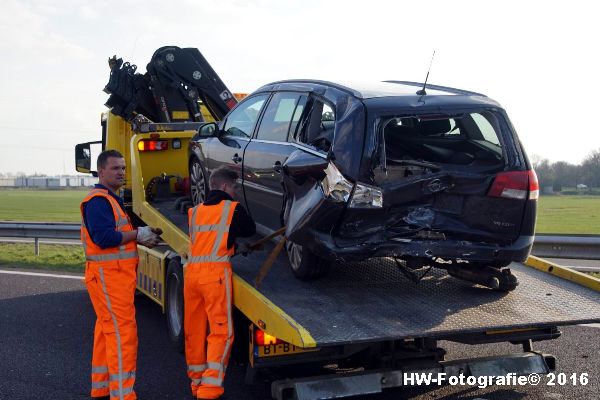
(110, 243)
(214, 226)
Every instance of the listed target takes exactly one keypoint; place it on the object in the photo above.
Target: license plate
(280, 349)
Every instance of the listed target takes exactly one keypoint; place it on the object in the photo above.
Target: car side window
(318, 125)
(283, 108)
(243, 118)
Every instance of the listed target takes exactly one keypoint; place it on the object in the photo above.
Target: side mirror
(83, 158)
(210, 129)
(301, 165)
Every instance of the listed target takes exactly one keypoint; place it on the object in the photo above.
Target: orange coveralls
(208, 298)
(110, 277)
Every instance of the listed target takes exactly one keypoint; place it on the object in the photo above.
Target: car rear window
(466, 139)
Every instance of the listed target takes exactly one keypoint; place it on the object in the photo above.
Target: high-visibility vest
(111, 255)
(209, 231)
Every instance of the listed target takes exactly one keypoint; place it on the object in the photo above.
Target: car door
(227, 149)
(266, 153)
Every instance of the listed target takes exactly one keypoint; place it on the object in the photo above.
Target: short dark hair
(222, 175)
(105, 155)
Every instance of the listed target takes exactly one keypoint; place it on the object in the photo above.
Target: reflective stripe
(197, 367)
(215, 366)
(123, 376)
(194, 212)
(229, 324)
(210, 228)
(111, 257)
(222, 229)
(223, 224)
(122, 224)
(100, 370)
(114, 318)
(100, 385)
(196, 381)
(121, 392)
(211, 381)
(201, 259)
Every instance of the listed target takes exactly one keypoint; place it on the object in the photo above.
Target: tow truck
(364, 328)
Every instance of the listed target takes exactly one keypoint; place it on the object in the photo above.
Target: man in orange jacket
(110, 243)
(214, 226)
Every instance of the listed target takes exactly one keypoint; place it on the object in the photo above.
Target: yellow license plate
(280, 349)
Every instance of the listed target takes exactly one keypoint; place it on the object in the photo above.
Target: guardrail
(40, 230)
(586, 247)
(554, 246)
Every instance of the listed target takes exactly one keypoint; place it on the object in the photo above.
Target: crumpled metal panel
(373, 301)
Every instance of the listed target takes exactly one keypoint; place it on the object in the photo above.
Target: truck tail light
(520, 185)
(153, 145)
(262, 338)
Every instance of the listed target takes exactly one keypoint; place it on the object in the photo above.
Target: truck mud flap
(338, 386)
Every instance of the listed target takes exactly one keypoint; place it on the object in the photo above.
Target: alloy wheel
(294, 252)
(198, 183)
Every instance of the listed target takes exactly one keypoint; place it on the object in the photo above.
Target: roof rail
(438, 87)
(320, 82)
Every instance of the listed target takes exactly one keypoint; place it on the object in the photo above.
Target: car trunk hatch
(445, 177)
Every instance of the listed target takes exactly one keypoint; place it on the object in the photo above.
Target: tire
(198, 182)
(174, 303)
(304, 264)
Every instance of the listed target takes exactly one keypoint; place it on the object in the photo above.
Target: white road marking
(592, 325)
(3, 271)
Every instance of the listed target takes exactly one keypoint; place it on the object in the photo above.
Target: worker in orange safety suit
(214, 226)
(110, 244)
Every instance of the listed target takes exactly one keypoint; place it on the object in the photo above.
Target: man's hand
(247, 248)
(147, 236)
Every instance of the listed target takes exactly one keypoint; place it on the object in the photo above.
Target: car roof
(367, 90)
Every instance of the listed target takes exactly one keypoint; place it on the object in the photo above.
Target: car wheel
(174, 303)
(306, 265)
(198, 182)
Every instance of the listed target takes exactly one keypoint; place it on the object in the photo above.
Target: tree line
(561, 174)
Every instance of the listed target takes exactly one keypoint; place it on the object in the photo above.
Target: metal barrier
(586, 247)
(554, 246)
(39, 230)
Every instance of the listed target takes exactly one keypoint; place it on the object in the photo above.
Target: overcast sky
(541, 62)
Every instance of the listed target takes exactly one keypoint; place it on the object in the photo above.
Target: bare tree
(590, 169)
(544, 171)
(565, 175)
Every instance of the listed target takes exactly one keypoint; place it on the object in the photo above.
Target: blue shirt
(100, 220)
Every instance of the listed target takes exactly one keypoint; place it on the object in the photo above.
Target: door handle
(277, 167)
(236, 159)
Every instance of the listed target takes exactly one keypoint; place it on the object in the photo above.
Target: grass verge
(568, 215)
(52, 257)
(40, 205)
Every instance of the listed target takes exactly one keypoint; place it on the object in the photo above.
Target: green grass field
(40, 205)
(52, 257)
(569, 215)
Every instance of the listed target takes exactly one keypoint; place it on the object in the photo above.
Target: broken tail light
(519, 185)
(338, 188)
(366, 196)
(335, 185)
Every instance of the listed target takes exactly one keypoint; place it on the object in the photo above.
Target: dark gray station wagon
(429, 178)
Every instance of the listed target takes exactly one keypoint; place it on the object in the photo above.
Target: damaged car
(429, 176)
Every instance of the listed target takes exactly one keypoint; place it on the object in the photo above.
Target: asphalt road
(46, 326)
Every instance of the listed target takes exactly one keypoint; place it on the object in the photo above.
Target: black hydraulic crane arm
(171, 89)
